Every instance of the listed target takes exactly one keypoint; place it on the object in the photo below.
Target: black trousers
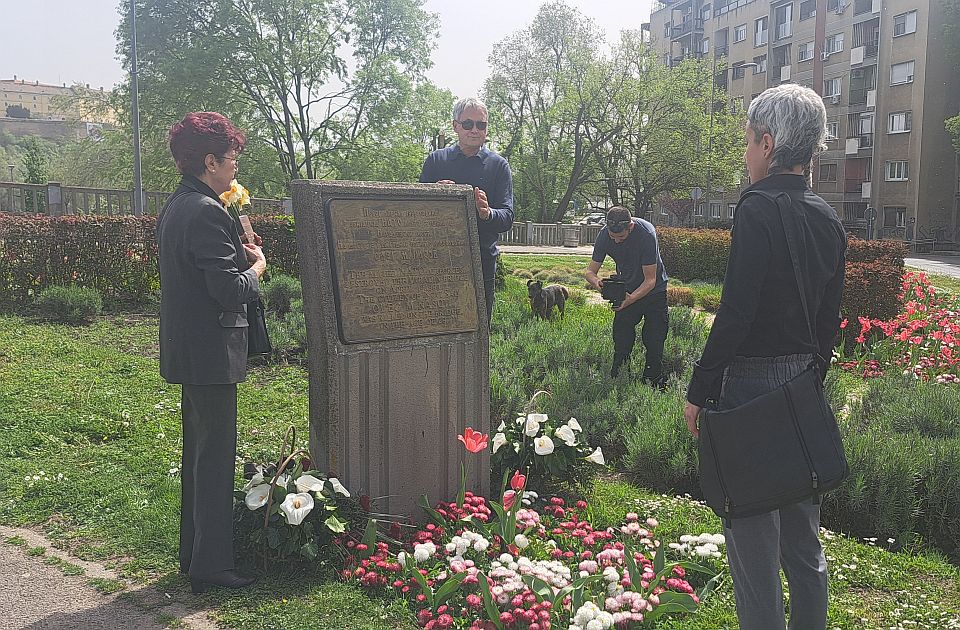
(652, 310)
(209, 459)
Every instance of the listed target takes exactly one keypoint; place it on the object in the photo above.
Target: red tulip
(518, 481)
(508, 499)
(473, 440)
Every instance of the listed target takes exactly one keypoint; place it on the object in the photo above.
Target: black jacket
(205, 284)
(760, 312)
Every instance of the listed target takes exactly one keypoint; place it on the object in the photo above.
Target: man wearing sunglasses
(469, 162)
(632, 243)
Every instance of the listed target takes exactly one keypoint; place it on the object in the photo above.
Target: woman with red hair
(207, 278)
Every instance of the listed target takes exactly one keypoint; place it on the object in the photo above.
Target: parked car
(594, 218)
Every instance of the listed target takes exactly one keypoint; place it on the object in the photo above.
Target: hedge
(117, 256)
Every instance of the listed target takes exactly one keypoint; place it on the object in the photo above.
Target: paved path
(546, 249)
(37, 595)
(943, 264)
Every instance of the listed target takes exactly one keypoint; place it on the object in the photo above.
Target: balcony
(865, 141)
(687, 27)
(854, 185)
(721, 51)
(784, 30)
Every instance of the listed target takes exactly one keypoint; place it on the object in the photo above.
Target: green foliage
(35, 159)
(279, 291)
(288, 332)
(953, 128)
(69, 304)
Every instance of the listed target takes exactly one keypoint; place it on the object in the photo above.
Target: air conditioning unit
(825, 55)
(841, 8)
(834, 98)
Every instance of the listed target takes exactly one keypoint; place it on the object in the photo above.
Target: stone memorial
(398, 337)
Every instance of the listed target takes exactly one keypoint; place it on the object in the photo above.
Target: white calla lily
(532, 426)
(255, 481)
(338, 487)
(543, 445)
(573, 424)
(296, 506)
(566, 434)
(257, 496)
(596, 457)
(308, 483)
(499, 440)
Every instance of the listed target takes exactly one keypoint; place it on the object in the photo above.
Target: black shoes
(226, 579)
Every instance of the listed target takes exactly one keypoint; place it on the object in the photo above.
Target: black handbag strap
(794, 256)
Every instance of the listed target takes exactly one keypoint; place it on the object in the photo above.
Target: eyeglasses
(615, 227)
(236, 160)
(468, 124)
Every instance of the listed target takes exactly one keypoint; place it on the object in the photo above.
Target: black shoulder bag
(778, 449)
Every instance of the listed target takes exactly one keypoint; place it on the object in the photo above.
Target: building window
(714, 210)
(668, 30)
(761, 66)
(783, 17)
(901, 73)
(739, 71)
(831, 87)
(828, 172)
(740, 33)
(832, 5)
(705, 45)
(900, 122)
(808, 9)
(731, 210)
(698, 210)
(705, 12)
(862, 6)
(760, 32)
(862, 81)
(894, 217)
(806, 52)
(833, 130)
(663, 211)
(833, 43)
(736, 104)
(905, 23)
(897, 171)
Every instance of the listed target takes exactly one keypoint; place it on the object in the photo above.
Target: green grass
(91, 451)
(106, 586)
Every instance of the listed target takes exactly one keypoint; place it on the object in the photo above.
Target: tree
(34, 160)
(953, 128)
(307, 78)
(546, 79)
(17, 111)
(664, 126)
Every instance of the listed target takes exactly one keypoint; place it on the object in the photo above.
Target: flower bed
(921, 340)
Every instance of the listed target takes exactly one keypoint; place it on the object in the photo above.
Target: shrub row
(117, 256)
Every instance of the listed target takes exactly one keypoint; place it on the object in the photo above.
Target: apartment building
(890, 170)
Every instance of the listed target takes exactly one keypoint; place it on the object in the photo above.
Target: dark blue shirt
(490, 173)
(639, 249)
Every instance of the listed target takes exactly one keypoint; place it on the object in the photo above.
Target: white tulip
(596, 457)
(573, 424)
(566, 434)
(308, 483)
(499, 440)
(338, 487)
(522, 541)
(296, 506)
(257, 496)
(543, 445)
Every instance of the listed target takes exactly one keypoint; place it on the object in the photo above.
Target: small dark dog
(543, 299)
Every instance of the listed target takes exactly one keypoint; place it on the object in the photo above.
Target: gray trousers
(209, 460)
(759, 546)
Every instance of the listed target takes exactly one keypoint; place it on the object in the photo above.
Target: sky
(71, 41)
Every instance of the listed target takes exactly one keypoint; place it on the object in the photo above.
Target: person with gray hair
(470, 162)
(762, 337)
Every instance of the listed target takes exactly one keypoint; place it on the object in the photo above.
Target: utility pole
(134, 87)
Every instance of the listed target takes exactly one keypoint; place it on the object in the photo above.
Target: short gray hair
(796, 118)
(467, 103)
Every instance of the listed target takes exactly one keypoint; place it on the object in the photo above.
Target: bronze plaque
(402, 268)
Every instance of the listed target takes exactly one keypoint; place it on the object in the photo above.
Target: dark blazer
(205, 284)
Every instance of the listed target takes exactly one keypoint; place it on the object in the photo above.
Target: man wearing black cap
(632, 243)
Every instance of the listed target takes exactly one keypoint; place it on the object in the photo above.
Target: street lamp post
(713, 92)
(11, 167)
